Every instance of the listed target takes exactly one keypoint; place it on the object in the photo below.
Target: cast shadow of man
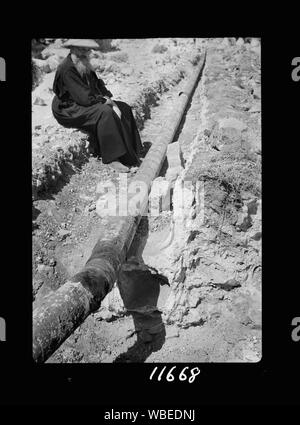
(140, 288)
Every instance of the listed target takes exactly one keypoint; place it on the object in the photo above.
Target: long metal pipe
(64, 310)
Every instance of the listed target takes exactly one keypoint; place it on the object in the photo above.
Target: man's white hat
(84, 42)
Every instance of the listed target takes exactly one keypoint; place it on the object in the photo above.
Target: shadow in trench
(145, 148)
(164, 168)
(188, 106)
(143, 291)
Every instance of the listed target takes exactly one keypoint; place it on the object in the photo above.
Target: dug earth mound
(191, 288)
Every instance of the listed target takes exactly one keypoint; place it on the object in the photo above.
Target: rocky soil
(191, 288)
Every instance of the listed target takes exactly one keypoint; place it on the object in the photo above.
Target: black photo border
(269, 381)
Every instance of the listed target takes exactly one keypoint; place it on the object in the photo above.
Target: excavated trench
(190, 289)
(142, 290)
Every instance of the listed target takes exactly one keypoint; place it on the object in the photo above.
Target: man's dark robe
(79, 103)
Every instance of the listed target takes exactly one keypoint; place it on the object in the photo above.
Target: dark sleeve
(102, 88)
(79, 91)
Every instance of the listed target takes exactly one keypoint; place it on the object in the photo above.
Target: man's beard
(83, 66)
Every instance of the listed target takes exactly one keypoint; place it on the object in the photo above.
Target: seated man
(82, 101)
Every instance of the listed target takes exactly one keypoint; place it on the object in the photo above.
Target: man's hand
(117, 110)
(109, 102)
(114, 106)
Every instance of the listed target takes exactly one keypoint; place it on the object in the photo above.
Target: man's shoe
(117, 166)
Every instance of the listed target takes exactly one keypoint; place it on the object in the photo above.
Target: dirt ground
(203, 303)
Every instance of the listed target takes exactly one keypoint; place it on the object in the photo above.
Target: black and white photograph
(146, 200)
(139, 167)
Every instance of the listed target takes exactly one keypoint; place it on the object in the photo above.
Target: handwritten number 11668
(184, 375)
